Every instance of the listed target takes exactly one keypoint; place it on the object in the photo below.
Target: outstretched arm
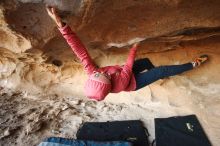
(74, 42)
(131, 57)
(78, 48)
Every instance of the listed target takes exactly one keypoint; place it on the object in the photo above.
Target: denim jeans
(144, 78)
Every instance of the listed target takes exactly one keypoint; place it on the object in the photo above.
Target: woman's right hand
(53, 14)
(136, 45)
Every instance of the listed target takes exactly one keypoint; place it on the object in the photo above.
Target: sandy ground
(39, 99)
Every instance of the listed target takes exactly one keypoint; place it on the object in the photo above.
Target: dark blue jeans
(155, 73)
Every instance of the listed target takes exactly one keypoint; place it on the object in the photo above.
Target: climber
(113, 79)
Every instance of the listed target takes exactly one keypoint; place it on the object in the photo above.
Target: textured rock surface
(41, 80)
(108, 23)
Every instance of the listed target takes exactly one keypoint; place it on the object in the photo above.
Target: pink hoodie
(122, 78)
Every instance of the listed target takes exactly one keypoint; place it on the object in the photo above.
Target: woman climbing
(114, 79)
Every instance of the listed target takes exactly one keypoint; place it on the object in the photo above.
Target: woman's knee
(146, 59)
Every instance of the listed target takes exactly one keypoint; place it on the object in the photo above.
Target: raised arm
(78, 48)
(74, 42)
(131, 57)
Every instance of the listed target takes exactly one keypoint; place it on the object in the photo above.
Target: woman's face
(101, 77)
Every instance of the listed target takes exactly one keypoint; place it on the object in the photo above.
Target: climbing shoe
(200, 60)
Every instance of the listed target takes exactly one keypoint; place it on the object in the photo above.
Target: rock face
(108, 23)
(41, 80)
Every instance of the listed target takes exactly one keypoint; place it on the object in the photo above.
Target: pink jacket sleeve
(130, 60)
(78, 48)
